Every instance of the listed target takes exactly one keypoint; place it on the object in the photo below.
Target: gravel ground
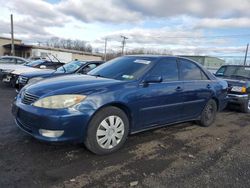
(183, 155)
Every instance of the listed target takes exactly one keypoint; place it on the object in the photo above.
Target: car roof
(235, 65)
(164, 56)
(14, 57)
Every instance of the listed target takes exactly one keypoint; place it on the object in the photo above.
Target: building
(27, 51)
(211, 63)
(7, 41)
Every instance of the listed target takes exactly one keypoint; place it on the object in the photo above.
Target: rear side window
(190, 71)
(168, 69)
(8, 60)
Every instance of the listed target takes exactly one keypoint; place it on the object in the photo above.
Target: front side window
(35, 63)
(88, 68)
(190, 71)
(221, 71)
(167, 69)
(123, 68)
(71, 67)
(19, 61)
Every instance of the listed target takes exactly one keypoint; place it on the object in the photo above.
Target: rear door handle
(178, 88)
(208, 86)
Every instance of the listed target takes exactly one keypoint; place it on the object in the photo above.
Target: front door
(161, 103)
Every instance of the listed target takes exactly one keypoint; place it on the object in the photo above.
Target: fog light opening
(51, 133)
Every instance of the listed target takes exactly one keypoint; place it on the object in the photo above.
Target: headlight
(34, 80)
(59, 101)
(239, 89)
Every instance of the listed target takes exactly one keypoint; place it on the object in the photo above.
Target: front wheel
(107, 131)
(208, 114)
(246, 107)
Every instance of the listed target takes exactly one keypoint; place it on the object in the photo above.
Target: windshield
(123, 68)
(234, 71)
(35, 63)
(71, 67)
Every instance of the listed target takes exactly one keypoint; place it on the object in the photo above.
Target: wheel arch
(119, 105)
(217, 102)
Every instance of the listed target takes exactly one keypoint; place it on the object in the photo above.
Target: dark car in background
(45, 64)
(126, 95)
(10, 76)
(238, 78)
(81, 67)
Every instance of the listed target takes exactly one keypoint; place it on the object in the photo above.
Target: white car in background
(9, 63)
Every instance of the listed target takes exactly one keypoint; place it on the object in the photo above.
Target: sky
(204, 27)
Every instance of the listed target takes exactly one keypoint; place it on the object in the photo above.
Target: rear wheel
(246, 107)
(208, 114)
(107, 131)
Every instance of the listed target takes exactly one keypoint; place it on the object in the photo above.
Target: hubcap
(248, 105)
(110, 132)
(209, 112)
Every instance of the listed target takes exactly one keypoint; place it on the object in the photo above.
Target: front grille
(28, 98)
(23, 80)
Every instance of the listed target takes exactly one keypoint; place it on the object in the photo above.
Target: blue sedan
(126, 95)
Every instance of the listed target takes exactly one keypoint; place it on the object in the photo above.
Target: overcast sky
(209, 27)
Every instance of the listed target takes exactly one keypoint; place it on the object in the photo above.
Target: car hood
(26, 69)
(38, 73)
(70, 84)
(235, 82)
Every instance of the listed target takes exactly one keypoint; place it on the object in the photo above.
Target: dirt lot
(183, 155)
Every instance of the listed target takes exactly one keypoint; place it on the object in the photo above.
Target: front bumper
(31, 119)
(238, 99)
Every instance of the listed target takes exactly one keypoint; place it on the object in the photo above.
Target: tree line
(79, 45)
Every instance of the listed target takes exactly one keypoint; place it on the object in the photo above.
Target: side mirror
(43, 67)
(152, 79)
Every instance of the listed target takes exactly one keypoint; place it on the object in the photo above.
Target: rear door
(196, 88)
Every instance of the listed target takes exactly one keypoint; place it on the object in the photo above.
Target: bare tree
(79, 45)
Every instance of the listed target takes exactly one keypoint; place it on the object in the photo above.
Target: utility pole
(123, 43)
(245, 60)
(12, 35)
(105, 50)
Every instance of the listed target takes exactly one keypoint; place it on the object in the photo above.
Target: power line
(211, 36)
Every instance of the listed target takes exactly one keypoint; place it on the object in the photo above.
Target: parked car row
(100, 104)
(27, 72)
(80, 67)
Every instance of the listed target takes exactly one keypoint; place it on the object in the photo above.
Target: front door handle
(178, 89)
(208, 86)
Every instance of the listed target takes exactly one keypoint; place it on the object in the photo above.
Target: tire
(107, 131)
(245, 108)
(208, 114)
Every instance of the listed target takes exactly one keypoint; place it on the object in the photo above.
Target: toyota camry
(124, 96)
